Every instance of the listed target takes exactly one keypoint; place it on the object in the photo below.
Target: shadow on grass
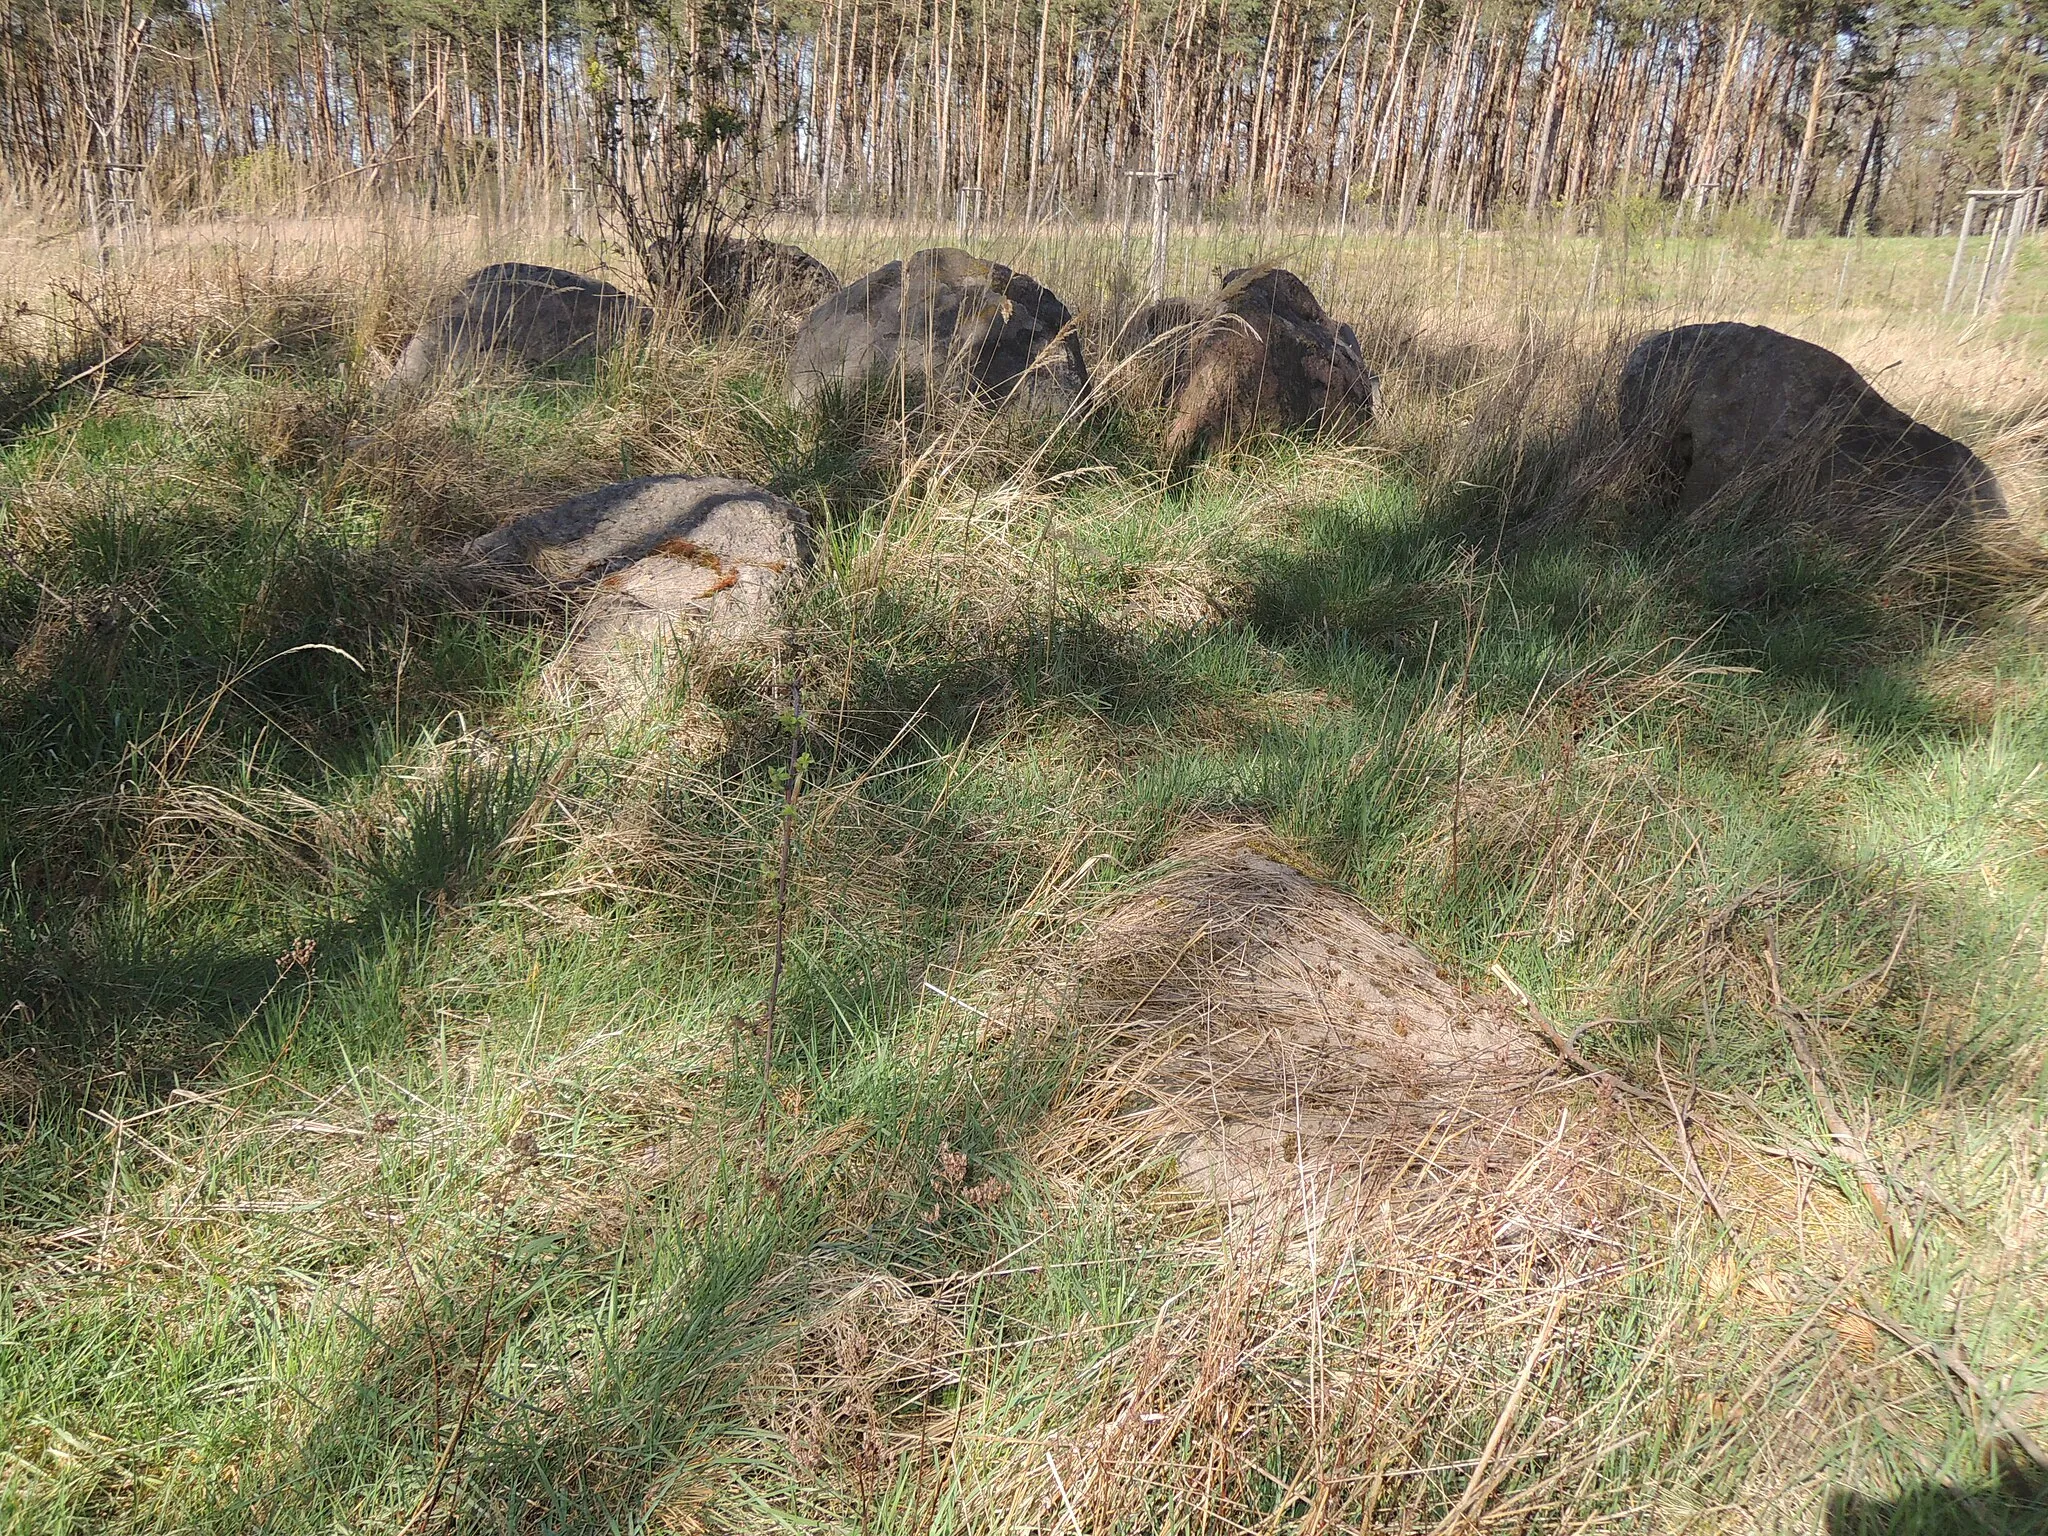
(552, 1374)
(34, 391)
(2013, 1503)
(1635, 642)
(202, 754)
(129, 1008)
(493, 1396)
(1805, 615)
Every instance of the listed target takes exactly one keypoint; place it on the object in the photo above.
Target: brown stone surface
(1267, 355)
(765, 284)
(1152, 351)
(1728, 409)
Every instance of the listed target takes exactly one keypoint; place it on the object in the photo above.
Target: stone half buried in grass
(762, 284)
(951, 322)
(522, 316)
(1150, 356)
(1262, 355)
(1302, 1064)
(649, 562)
(1727, 412)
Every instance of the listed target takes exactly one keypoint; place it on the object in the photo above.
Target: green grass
(476, 1215)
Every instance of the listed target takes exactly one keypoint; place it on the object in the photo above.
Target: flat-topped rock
(1726, 410)
(648, 562)
(522, 316)
(962, 326)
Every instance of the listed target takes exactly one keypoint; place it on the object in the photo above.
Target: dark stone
(1728, 409)
(764, 283)
(1154, 350)
(526, 316)
(1266, 355)
(964, 327)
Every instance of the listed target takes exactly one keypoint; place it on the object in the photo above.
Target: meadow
(390, 1139)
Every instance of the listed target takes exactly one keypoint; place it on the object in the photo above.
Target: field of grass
(389, 1136)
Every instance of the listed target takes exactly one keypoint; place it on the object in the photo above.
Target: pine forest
(1795, 116)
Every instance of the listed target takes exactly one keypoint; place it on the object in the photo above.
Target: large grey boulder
(647, 562)
(963, 326)
(1264, 355)
(521, 315)
(1727, 409)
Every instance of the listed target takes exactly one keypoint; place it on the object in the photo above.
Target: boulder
(1727, 409)
(965, 327)
(1153, 351)
(765, 282)
(526, 316)
(649, 561)
(1266, 355)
